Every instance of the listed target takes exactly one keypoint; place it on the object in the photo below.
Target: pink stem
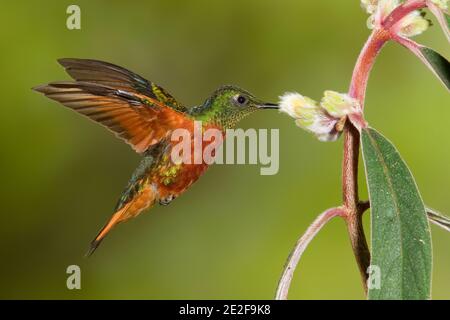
(365, 63)
(440, 18)
(361, 72)
(411, 46)
(373, 46)
(302, 243)
(401, 11)
(415, 48)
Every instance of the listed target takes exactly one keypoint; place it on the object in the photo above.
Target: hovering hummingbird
(144, 115)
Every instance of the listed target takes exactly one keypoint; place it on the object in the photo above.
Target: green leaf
(438, 64)
(447, 18)
(401, 241)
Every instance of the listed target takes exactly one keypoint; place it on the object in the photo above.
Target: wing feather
(136, 110)
(88, 70)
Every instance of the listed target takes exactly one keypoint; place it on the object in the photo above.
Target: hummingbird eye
(241, 100)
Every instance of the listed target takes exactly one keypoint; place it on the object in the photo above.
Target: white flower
(412, 25)
(326, 120)
(296, 105)
(317, 121)
(369, 5)
(338, 104)
(309, 116)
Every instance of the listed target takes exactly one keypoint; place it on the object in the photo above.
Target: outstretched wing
(136, 110)
(94, 71)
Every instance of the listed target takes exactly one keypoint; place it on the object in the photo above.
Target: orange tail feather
(115, 219)
(132, 209)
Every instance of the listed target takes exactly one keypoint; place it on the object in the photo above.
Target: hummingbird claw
(167, 200)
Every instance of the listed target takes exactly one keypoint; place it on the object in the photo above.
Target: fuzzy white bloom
(412, 25)
(369, 5)
(296, 105)
(309, 116)
(442, 4)
(338, 104)
(325, 120)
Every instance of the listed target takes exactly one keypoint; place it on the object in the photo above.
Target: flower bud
(338, 104)
(413, 24)
(369, 5)
(296, 105)
(309, 116)
(326, 120)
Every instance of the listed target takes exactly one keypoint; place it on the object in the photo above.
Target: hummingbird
(145, 115)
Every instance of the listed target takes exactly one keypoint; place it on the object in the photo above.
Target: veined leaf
(438, 64)
(401, 241)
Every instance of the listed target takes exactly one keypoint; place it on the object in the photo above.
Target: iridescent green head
(228, 105)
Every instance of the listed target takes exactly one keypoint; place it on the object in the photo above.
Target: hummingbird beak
(268, 106)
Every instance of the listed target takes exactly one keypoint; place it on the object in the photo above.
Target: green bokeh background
(227, 237)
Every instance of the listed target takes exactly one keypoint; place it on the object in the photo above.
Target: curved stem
(440, 16)
(302, 243)
(415, 48)
(365, 64)
(401, 11)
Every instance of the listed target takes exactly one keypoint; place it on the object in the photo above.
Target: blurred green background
(229, 236)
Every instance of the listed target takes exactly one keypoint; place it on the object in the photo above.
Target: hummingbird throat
(207, 144)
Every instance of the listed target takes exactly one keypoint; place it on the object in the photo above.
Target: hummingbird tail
(93, 246)
(139, 202)
(116, 218)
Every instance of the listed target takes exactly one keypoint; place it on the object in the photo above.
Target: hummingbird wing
(136, 110)
(95, 71)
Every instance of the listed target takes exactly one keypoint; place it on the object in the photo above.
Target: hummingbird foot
(167, 200)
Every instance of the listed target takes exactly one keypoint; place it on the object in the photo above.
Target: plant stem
(365, 64)
(440, 16)
(357, 90)
(438, 219)
(417, 50)
(403, 10)
(350, 168)
(354, 208)
(434, 216)
(302, 243)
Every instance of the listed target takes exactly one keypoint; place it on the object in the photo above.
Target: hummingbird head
(228, 105)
